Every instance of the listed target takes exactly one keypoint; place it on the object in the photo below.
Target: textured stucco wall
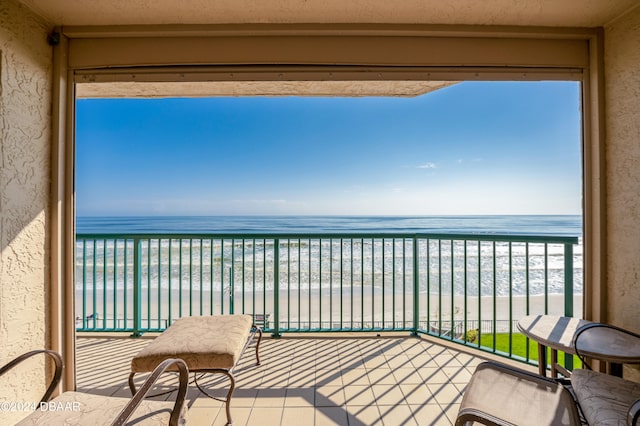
(25, 121)
(622, 83)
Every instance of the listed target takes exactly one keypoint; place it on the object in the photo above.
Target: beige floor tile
(356, 376)
(328, 416)
(434, 349)
(327, 363)
(433, 375)
(240, 417)
(364, 415)
(422, 360)
(275, 365)
(275, 379)
(248, 378)
(386, 345)
(300, 397)
(371, 363)
(329, 377)
(430, 414)
(398, 361)
(197, 399)
(446, 393)
(304, 361)
(326, 351)
(451, 410)
(298, 416)
(270, 397)
(244, 397)
(407, 376)
(388, 395)
(382, 376)
(412, 347)
(203, 411)
(457, 374)
(416, 394)
(350, 354)
(330, 396)
(201, 416)
(447, 359)
(263, 416)
(359, 395)
(397, 415)
(301, 378)
(350, 362)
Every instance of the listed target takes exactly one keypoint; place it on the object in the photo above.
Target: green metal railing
(447, 285)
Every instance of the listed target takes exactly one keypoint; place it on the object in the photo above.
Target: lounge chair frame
(135, 401)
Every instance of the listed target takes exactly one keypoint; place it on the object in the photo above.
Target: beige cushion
(604, 399)
(515, 397)
(75, 408)
(203, 342)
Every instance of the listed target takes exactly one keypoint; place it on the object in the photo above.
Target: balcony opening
(445, 208)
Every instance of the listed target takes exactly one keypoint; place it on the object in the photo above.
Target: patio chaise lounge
(208, 344)
(77, 408)
(501, 395)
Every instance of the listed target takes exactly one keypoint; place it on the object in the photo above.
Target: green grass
(519, 347)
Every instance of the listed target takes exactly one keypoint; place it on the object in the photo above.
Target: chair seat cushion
(75, 408)
(604, 399)
(203, 342)
(498, 394)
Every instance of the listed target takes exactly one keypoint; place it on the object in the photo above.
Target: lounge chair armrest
(131, 406)
(57, 359)
(634, 413)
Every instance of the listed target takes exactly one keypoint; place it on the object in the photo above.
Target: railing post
(568, 293)
(276, 288)
(231, 290)
(568, 279)
(137, 287)
(84, 284)
(416, 288)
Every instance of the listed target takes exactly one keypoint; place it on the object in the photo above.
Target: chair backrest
(606, 342)
(634, 413)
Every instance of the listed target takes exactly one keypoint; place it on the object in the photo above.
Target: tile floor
(309, 380)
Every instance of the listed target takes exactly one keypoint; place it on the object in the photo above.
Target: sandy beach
(320, 309)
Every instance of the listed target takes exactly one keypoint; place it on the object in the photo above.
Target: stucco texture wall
(622, 83)
(25, 122)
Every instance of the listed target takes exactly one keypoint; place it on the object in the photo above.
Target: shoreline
(321, 309)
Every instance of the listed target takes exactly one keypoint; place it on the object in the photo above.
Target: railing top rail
(519, 238)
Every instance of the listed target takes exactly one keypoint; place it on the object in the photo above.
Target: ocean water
(561, 225)
(320, 263)
(364, 280)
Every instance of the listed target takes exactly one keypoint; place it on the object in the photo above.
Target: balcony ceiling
(546, 13)
(567, 13)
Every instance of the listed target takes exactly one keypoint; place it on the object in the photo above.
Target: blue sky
(472, 148)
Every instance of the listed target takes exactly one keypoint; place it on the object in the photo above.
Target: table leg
(614, 369)
(554, 363)
(542, 360)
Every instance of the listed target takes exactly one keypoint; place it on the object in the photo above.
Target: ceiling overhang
(547, 13)
(258, 88)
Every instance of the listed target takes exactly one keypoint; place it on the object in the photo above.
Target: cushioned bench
(208, 344)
